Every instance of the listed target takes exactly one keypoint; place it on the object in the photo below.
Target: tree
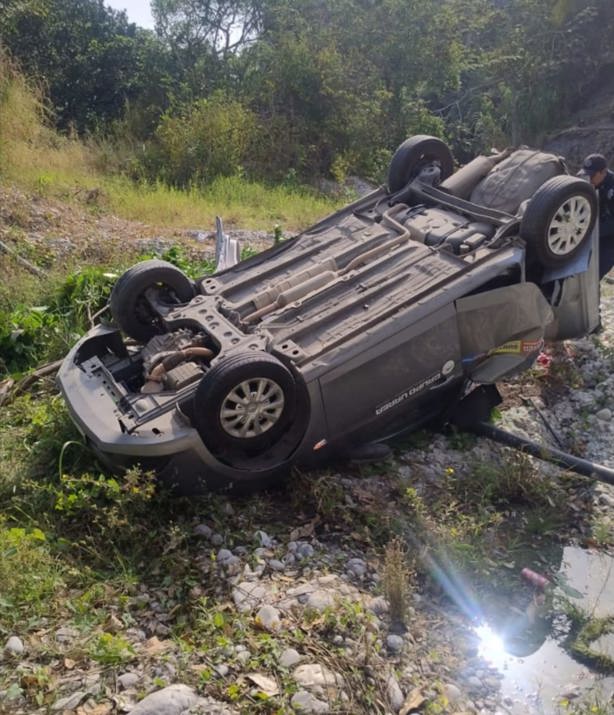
(90, 57)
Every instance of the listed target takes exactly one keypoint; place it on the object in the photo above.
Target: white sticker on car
(406, 394)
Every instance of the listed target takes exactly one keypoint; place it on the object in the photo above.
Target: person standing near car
(595, 169)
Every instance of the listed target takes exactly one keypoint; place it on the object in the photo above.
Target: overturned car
(377, 319)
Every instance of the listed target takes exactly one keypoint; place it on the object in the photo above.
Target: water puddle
(525, 645)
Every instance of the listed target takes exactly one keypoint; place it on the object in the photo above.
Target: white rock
(66, 634)
(605, 415)
(243, 656)
(128, 680)
(224, 555)
(452, 692)
(268, 618)
(289, 658)
(69, 703)
(394, 692)
(318, 679)
(320, 599)
(378, 605)
(14, 646)
(358, 567)
(305, 702)
(248, 595)
(173, 700)
(262, 538)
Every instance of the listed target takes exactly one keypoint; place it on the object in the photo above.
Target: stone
(243, 656)
(277, 565)
(172, 700)
(475, 683)
(262, 538)
(378, 605)
(318, 679)
(304, 702)
(289, 658)
(394, 692)
(357, 567)
(304, 550)
(128, 680)
(69, 703)
(605, 415)
(452, 692)
(319, 600)
(405, 472)
(66, 634)
(224, 555)
(248, 595)
(221, 669)
(232, 565)
(394, 643)
(203, 530)
(217, 539)
(14, 646)
(268, 618)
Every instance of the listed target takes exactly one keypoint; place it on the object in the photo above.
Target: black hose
(549, 454)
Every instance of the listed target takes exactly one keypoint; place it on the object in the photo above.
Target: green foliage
(195, 269)
(111, 649)
(207, 139)
(25, 334)
(29, 335)
(28, 573)
(83, 294)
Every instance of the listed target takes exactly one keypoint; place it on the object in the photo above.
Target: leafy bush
(83, 294)
(25, 337)
(210, 138)
(29, 335)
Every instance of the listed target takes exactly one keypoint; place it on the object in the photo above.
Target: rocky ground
(346, 593)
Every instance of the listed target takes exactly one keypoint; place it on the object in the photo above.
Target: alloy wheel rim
(569, 225)
(252, 408)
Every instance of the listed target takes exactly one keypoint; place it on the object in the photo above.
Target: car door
(574, 295)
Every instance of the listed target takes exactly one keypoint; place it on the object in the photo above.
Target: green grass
(240, 202)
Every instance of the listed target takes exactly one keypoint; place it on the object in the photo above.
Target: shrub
(209, 139)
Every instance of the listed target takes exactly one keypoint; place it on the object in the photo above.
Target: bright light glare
(491, 646)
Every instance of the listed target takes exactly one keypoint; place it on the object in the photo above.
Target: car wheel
(132, 295)
(413, 155)
(246, 402)
(559, 219)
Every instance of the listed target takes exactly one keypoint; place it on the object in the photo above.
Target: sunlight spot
(491, 645)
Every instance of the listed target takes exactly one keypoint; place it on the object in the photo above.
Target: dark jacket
(606, 196)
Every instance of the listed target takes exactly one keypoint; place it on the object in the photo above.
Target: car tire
(559, 219)
(415, 153)
(245, 402)
(129, 306)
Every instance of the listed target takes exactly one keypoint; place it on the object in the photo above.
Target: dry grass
(36, 158)
(396, 580)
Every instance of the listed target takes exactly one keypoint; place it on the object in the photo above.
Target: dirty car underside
(377, 319)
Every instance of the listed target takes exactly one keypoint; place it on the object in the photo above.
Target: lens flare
(491, 646)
